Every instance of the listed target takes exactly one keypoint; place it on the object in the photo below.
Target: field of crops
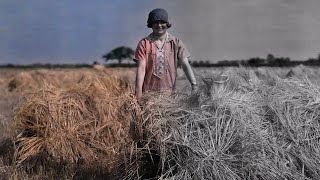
(241, 123)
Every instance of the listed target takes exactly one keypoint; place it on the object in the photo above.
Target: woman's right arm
(141, 72)
(140, 59)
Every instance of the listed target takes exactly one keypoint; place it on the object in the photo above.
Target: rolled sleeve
(140, 53)
(182, 51)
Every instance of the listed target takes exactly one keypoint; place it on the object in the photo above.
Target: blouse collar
(169, 37)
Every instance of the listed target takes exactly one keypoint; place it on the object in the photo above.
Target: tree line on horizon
(270, 60)
(122, 53)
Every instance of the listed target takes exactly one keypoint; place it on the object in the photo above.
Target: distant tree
(287, 59)
(270, 58)
(119, 53)
(223, 62)
(281, 61)
(201, 63)
(255, 61)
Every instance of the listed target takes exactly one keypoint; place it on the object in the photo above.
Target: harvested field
(86, 124)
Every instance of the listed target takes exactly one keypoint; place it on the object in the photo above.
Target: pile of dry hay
(29, 81)
(88, 124)
(2, 81)
(243, 127)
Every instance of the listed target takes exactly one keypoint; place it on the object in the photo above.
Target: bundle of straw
(249, 127)
(86, 124)
(2, 81)
(61, 78)
(21, 81)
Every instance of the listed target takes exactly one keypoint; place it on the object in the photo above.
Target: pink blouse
(161, 64)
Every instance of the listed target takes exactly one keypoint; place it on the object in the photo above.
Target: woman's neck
(160, 37)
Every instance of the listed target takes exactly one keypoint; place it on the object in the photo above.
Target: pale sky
(81, 31)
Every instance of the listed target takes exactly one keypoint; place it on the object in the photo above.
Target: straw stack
(89, 123)
(248, 128)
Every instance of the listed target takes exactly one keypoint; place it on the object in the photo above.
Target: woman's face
(159, 27)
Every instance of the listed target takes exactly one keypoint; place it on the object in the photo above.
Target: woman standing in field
(158, 56)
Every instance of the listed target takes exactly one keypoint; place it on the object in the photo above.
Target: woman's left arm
(189, 72)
